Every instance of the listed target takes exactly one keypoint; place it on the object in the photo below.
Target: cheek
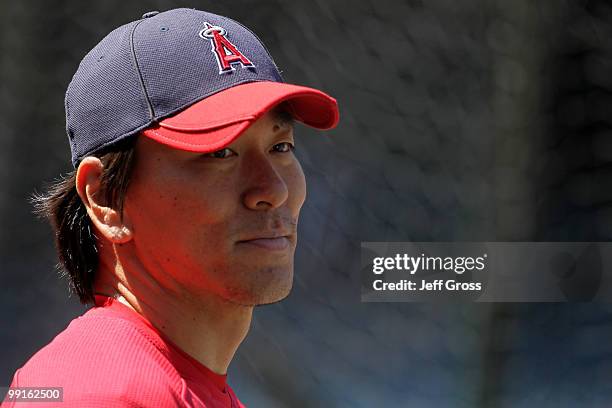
(296, 183)
(181, 229)
(170, 210)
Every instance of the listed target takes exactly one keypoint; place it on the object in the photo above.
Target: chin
(276, 297)
(272, 286)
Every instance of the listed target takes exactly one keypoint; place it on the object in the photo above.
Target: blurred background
(479, 120)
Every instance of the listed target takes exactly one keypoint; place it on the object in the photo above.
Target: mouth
(272, 243)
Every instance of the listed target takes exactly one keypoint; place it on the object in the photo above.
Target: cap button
(150, 14)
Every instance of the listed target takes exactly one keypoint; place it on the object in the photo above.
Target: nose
(265, 187)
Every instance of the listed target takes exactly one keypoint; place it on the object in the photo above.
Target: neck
(207, 327)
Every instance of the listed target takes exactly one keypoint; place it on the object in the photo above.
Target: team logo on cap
(227, 54)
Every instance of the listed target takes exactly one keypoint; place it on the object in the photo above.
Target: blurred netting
(473, 120)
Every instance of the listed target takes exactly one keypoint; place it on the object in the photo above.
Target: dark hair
(75, 237)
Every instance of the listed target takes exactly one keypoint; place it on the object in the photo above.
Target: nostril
(266, 197)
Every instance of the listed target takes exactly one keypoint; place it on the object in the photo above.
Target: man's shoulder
(99, 359)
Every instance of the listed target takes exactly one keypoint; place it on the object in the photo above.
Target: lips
(273, 242)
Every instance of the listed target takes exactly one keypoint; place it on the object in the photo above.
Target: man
(181, 214)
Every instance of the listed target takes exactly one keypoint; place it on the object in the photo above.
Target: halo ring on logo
(208, 32)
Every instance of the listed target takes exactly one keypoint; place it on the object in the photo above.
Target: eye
(284, 147)
(221, 154)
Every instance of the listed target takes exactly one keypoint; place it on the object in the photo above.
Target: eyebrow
(283, 117)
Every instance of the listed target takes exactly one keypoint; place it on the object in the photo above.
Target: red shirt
(112, 357)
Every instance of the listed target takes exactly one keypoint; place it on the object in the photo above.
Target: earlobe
(106, 219)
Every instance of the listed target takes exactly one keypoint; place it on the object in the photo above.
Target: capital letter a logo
(226, 52)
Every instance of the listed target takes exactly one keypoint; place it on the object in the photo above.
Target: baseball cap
(186, 78)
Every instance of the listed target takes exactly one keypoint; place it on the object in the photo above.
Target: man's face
(221, 223)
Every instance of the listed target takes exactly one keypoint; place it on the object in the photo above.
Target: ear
(106, 219)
